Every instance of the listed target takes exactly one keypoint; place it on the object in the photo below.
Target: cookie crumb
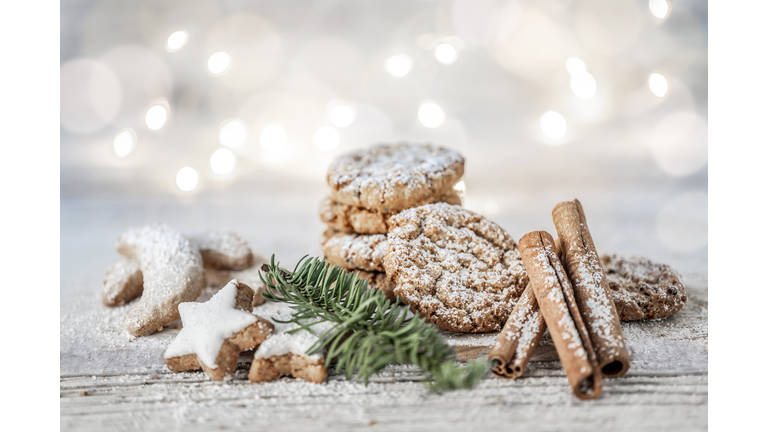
(83, 393)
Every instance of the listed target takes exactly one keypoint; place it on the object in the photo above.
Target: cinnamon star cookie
(354, 251)
(343, 217)
(453, 266)
(392, 177)
(643, 289)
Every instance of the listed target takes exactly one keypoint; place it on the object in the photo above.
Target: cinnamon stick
(519, 337)
(557, 303)
(591, 288)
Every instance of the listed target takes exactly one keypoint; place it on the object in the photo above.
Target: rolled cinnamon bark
(557, 303)
(519, 337)
(593, 296)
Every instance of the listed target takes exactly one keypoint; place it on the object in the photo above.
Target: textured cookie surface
(354, 251)
(393, 177)
(643, 289)
(342, 217)
(172, 273)
(454, 267)
(223, 249)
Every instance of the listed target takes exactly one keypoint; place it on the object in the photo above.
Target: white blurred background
(209, 113)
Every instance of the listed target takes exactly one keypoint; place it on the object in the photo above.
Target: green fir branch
(368, 331)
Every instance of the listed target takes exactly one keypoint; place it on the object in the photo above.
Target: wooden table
(111, 383)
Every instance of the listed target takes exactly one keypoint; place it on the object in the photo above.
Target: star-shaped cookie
(216, 332)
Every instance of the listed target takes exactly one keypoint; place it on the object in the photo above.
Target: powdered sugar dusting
(643, 289)
(172, 269)
(343, 217)
(391, 177)
(224, 249)
(355, 251)
(281, 342)
(456, 268)
(566, 326)
(120, 275)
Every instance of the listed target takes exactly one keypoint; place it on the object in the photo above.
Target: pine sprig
(368, 331)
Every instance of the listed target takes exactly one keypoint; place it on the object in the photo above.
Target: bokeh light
(553, 125)
(176, 41)
(124, 142)
(253, 47)
(342, 115)
(144, 78)
(219, 63)
(460, 187)
(659, 8)
(187, 179)
(575, 66)
(431, 114)
(659, 84)
(682, 223)
(233, 133)
(91, 95)
(223, 161)
(398, 65)
(679, 143)
(583, 83)
(156, 117)
(273, 137)
(446, 53)
(326, 138)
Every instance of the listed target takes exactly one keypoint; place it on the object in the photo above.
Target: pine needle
(368, 331)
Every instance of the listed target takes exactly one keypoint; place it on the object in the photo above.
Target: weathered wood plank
(394, 399)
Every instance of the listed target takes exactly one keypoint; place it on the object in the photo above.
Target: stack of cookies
(371, 185)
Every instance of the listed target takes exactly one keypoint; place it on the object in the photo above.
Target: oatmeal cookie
(453, 266)
(643, 289)
(342, 217)
(354, 251)
(393, 177)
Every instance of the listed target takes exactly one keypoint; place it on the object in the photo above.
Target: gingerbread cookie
(643, 289)
(454, 267)
(354, 251)
(285, 353)
(172, 273)
(342, 217)
(393, 177)
(223, 249)
(214, 333)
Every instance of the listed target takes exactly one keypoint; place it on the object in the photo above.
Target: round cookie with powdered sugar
(454, 267)
(393, 177)
(342, 217)
(354, 251)
(643, 289)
